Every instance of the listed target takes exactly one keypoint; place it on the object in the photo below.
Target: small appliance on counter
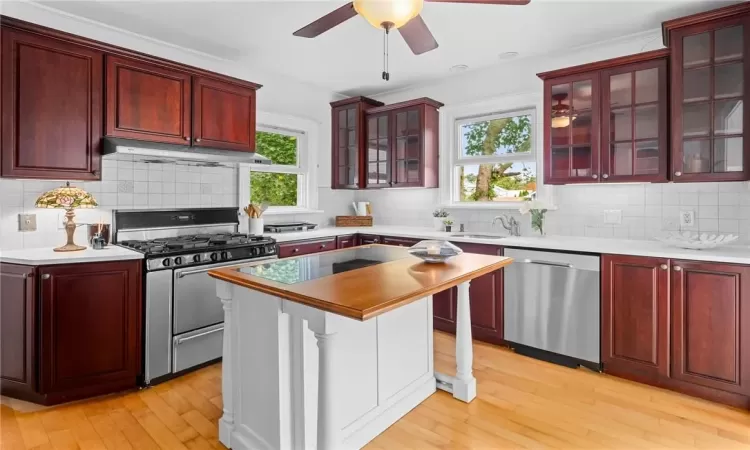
(288, 227)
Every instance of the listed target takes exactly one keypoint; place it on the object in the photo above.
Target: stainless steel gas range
(184, 320)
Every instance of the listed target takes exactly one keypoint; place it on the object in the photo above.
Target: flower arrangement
(440, 212)
(437, 218)
(537, 209)
(448, 224)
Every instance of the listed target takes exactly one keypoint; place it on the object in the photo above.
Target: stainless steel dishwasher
(551, 306)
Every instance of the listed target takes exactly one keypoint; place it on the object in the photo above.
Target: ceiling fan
(388, 14)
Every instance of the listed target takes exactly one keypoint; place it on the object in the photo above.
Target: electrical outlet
(27, 222)
(687, 218)
(613, 216)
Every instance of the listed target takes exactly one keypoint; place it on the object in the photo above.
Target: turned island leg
(327, 425)
(465, 385)
(226, 423)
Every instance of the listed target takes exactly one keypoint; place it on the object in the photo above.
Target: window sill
(290, 210)
(484, 206)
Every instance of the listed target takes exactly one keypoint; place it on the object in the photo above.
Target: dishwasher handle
(547, 263)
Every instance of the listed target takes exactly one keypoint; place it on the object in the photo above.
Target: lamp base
(69, 248)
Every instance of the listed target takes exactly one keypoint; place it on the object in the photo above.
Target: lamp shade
(67, 197)
(394, 12)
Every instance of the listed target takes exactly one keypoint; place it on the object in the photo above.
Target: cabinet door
(379, 150)
(17, 329)
(346, 155)
(306, 247)
(634, 122)
(367, 239)
(91, 327)
(408, 147)
(486, 294)
(401, 242)
(148, 102)
(710, 107)
(223, 115)
(571, 129)
(710, 314)
(51, 108)
(346, 241)
(635, 323)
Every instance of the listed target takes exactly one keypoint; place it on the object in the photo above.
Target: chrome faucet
(511, 225)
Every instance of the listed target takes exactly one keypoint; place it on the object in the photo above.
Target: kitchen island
(328, 350)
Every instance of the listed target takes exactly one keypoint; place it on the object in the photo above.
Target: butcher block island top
(359, 282)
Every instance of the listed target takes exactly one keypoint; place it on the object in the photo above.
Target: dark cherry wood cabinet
(147, 101)
(299, 248)
(70, 331)
(400, 241)
(381, 146)
(223, 115)
(678, 324)
(486, 293)
(347, 241)
(710, 101)
(18, 337)
(51, 108)
(635, 321)
(366, 239)
(349, 142)
(607, 121)
(710, 319)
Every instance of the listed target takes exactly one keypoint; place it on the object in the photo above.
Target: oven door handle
(193, 272)
(195, 336)
(221, 266)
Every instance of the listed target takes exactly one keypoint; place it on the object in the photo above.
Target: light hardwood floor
(522, 403)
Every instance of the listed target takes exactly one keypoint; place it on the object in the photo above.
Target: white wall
(279, 94)
(648, 210)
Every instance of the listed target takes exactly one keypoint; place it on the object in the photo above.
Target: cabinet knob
(197, 139)
(664, 267)
(322, 245)
(187, 138)
(678, 174)
(46, 276)
(677, 269)
(295, 250)
(605, 176)
(595, 176)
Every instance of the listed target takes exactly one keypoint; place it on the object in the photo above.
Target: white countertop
(45, 256)
(728, 254)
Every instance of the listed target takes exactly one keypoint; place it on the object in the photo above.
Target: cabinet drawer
(306, 247)
(346, 241)
(401, 242)
(366, 239)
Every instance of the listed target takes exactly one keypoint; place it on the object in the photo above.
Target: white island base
(296, 377)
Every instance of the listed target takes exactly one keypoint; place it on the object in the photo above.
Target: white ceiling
(348, 58)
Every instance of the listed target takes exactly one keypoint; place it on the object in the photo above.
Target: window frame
(306, 132)
(497, 108)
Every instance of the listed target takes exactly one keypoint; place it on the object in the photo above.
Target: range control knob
(167, 262)
(260, 251)
(271, 249)
(214, 256)
(224, 255)
(178, 260)
(197, 258)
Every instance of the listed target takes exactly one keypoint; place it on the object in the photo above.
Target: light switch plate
(687, 218)
(613, 216)
(27, 222)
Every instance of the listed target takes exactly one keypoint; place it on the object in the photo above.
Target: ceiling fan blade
(417, 36)
(327, 22)
(486, 2)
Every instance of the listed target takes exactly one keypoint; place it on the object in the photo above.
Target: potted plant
(537, 209)
(438, 216)
(448, 223)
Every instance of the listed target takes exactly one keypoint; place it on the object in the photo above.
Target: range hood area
(159, 153)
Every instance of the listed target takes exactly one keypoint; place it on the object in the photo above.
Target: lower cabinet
(81, 328)
(300, 248)
(486, 293)
(367, 239)
(347, 241)
(401, 242)
(678, 324)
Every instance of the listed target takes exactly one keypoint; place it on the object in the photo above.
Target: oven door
(195, 303)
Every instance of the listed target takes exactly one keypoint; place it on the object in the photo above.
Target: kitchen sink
(478, 235)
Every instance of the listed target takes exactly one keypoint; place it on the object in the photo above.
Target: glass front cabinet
(607, 121)
(710, 108)
(348, 142)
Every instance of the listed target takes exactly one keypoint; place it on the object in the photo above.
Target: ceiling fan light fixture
(560, 122)
(395, 13)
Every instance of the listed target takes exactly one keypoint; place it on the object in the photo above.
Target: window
(282, 183)
(494, 159)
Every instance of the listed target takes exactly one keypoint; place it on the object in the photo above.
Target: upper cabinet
(147, 101)
(51, 108)
(710, 105)
(60, 93)
(223, 115)
(381, 146)
(607, 121)
(349, 141)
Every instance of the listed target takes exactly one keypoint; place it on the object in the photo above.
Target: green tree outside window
(276, 189)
